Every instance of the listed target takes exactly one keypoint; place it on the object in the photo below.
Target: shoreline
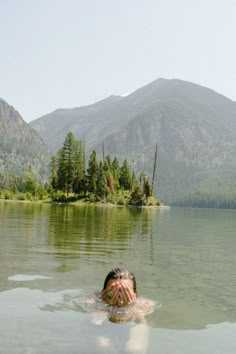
(84, 203)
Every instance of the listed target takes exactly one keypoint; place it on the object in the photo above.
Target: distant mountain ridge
(195, 128)
(21, 148)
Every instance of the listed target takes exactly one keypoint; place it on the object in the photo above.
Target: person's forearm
(138, 340)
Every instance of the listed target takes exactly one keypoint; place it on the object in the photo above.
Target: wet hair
(120, 273)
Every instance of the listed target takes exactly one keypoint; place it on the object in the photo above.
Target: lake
(184, 259)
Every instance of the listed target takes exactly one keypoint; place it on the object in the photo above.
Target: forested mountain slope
(21, 148)
(195, 128)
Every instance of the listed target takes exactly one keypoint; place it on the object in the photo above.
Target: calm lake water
(184, 259)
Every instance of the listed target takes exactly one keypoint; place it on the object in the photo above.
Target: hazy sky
(69, 53)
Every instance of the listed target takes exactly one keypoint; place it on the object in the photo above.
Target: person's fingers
(126, 291)
(108, 294)
(119, 294)
(115, 296)
(125, 295)
(110, 288)
(119, 299)
(128, 294)
(131, 294)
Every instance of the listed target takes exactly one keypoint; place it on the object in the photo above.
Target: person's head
(118, 274)
(119, 287)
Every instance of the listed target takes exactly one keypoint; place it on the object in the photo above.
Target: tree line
(102, 180)
(72, 178)
(22, 187)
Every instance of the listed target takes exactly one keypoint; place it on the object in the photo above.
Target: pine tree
(147, 188)
(79, 168)
(61, 171)
(125, 176)
(108, 160)
(30, 183)
(136, 197)
(53, 176)
(115, 169)
(110, 183)
(101, 190)
(107, 167)
(92, 173)
(66, 165)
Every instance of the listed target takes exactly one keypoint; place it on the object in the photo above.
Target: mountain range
(194, 126)
(21, 148)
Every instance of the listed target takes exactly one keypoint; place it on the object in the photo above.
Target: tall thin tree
(154, 166)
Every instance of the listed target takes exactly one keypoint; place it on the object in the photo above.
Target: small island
(102, 182)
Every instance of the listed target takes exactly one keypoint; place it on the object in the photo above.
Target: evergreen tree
(109, 162)
(115, 169)
(79, 168)
(125, 176)
(53, 176)
(110, 183)
(30, 183)
(101, 190)
(136, 197)
(134, 180)
(66, 166)
(68, 174)
(92, 173)
(107, 167)
(147, 188)
(20, 184)
(61, 171)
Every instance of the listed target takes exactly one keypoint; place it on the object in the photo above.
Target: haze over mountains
(21, 148)
(195, 128)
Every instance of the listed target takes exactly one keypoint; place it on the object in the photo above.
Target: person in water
(122, 305)
(120, 288)
(118, 302)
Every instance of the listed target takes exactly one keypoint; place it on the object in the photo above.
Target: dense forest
(73, 178)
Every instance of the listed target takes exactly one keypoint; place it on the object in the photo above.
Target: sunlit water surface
(184, 259)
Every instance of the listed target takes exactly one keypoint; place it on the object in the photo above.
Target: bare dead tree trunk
(154, 166)
(103, 153)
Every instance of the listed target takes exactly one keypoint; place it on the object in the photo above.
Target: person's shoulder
(91, 302)
(145, 306)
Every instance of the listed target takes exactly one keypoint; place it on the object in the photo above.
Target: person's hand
(111, 293)
(127, 294)
(118, 294)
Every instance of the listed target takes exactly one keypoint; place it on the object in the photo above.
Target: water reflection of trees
(31, 234)
(23, 227)
(88, 229)
(27, 220)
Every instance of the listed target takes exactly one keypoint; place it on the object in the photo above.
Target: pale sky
(69, 53)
